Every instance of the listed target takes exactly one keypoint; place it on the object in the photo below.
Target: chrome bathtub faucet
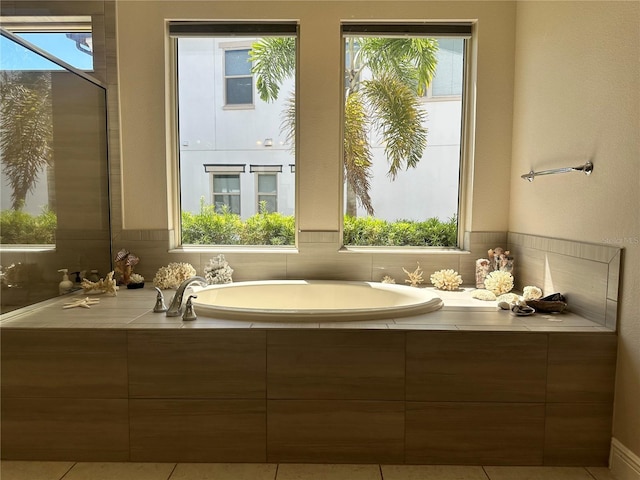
(175, 308)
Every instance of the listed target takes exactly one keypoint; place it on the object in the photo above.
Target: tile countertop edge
(461, 313)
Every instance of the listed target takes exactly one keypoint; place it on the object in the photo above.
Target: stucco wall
(577, 97)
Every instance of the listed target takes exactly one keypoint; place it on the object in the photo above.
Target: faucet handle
(160, 305)
(189, 312)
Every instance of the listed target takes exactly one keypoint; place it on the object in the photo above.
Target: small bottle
(66, 285)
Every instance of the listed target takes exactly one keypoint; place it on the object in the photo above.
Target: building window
(402, 156)
(225, 187)
(266, 187)
(238, 79)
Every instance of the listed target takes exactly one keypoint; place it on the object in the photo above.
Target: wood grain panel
(65, 429)
(581, 367)
(366, 365)
(198, 430)
(578, 434)
(197, 364)
(335, 431)
(475, 366)
(474, 433)
(69, 363)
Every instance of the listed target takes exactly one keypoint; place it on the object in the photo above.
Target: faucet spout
(175, 309)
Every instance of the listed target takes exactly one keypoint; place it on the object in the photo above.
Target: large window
(230, 110)
(402, 152)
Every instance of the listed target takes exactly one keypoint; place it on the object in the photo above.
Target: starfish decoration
(83, 302)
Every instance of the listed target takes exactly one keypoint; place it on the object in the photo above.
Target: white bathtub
(312, 300)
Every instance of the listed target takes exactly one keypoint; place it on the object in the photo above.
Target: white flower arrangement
(173, 275)
(483, 294)
(531, 293)
(499, 282)
(446, 279)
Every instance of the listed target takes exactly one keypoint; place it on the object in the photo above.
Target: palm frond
(288, 124)
(399, 120)
(274, 60)
(357, 154)
(26, 131)
(413, 60)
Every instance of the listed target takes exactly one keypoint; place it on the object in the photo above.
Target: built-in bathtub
(465, 384)
(314, 301)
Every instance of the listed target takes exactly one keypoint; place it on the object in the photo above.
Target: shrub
(18, 227)
(272, 228)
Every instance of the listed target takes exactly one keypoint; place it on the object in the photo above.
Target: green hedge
(18, 227)
(211, 228)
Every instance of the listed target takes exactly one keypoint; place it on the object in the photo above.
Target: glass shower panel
(55, 190)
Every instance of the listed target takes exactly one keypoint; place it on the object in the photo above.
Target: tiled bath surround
(587, 274)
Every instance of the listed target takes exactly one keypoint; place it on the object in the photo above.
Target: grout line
(381, 474)
(67, 472)
(485, 472)
(277, 468)
(589, 473)
(175, 465)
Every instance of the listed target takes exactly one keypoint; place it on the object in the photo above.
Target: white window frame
(235, 46)
(272, 170)
(226, 170)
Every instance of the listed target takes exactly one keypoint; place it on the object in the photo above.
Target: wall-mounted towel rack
(587, 168)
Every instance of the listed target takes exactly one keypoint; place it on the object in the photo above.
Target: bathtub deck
(132, 309)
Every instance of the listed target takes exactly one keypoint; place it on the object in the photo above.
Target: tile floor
(18, 470)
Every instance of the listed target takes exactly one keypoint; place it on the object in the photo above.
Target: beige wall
(142, 52)
(577, 97)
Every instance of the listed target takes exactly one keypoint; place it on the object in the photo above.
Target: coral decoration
(499, 282)
(106, 285)
(446, 279)
(415, 277)
(482, 294)
(173, 275)
(509, 298)
(387, 279)
(531, 293)
(218, 271)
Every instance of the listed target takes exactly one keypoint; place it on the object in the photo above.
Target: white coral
(508, 298)
(218, 271)
(173, 275)
(499, 282)
(136, 278)
(446, 279)
(482, 294)
(531, 293)
(388, 279)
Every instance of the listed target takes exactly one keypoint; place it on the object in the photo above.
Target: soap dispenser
(65, 285)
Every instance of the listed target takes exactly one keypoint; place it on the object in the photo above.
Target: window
(225, 187)
(226, 193)
(266, 187)
(67, 38)
(402, 155)
(216, 64)
(238, 79)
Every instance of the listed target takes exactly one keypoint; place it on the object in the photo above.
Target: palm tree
(26, 132)
(384, 78)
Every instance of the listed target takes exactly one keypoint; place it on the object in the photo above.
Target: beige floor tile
(17, 470)
(225, 471)
(537, 473)
(432, 472)
(300, 471)
(120, 471)
(601, 473)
